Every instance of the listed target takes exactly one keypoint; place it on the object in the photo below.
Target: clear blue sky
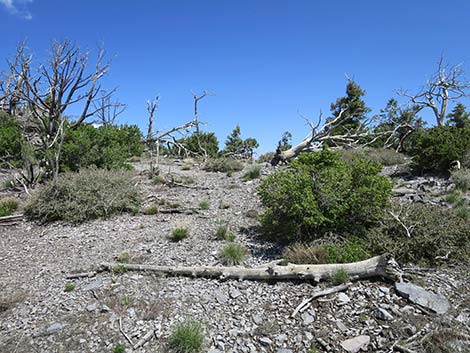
(264, 59)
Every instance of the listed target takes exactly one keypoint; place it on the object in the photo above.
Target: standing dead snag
(445, 85)
(379, 266)
(43, 95)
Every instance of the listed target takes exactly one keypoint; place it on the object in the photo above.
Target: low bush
(224, 165)
(187, 337)
(461, 179)
(233, 254)
(10, 139)
(7, 207)
(82, 196)
(436, 149)
(179, 234)
(321, 193)
(435, 232)
(300, 253)
(384, 156)
(199, 143)
(69, 287)
(222, 232)
(252, 173)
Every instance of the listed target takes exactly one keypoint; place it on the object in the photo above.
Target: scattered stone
(383, 314)
(265, 341)
(418, 295)
(54, 328)
(307, 318)
(343, 298)
(91, 307)
(234, 293)
(341, 326)
(258, 320)
(284, 350)
(221, 297)
(354, 345)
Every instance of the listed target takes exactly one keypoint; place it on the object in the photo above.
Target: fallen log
(10, 220)
(378, 266)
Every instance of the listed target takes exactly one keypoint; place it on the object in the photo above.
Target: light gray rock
(257, 319)
(284, 350)
(418, 295)
(221, 297)
(307, 319)
(354, 345)
(54, 328)
(343, 298)
(383, 314)
(234, 293)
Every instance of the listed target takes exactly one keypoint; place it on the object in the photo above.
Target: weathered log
(10, 220)
(378, 266)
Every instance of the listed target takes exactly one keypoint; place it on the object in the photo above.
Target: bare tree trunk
(379, 266)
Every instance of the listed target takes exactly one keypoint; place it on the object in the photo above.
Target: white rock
(354, 345)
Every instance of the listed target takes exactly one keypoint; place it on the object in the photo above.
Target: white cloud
(18, 8)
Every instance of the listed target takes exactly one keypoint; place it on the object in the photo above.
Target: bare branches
(106, 110)
(446, 84)
(151, 108)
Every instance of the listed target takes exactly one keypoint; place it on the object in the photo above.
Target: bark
(378, 266)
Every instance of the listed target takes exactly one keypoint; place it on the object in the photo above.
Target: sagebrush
(86, 195)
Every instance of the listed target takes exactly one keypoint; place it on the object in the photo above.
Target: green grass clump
(83, 196)
(233, 254)
(340, 276)
(352, 250)
(124, 258)
(150, 210)
(179, 234)
(119, 348)
(225, 165)
(69, 287)
(222, 233)
(187, 337)
(252, 173)
(158, 180)
(204, 205)
(7, 207)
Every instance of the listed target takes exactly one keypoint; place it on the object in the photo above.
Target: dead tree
(445, 85)
(107, 111)
(48, 91)
(197, 122)
(151, 109)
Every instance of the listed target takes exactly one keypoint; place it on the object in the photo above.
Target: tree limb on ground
(378, 266)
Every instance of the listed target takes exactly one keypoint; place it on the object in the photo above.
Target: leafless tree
(107, 110)
(445, 85)
(152, 107)
(46, 92)
(196, 120)
(322, 133)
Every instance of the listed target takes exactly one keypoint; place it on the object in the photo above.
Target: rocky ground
(38, 315)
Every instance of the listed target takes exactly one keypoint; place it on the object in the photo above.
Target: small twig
(124, 334)
(144, 339)
(80, 275)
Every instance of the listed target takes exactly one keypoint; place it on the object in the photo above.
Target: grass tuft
(7, 207)
(252, 173)
(233, 254)
(339, 277)
(179, 234)
(187, 337)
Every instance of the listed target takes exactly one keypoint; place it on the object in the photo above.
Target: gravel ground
(38, 315)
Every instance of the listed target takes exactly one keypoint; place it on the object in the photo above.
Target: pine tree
(459, 117)
(355, 109)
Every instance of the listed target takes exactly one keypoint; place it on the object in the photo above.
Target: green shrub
(384, 156)
(435, 231)
(86, 195)
(7, 207)
(204, 205)
(187, 337)
(437, 148)
(10, 139)
(321, 193)
(179, 234)
(158, 179)
(222, 232)
(233, 254)
(352, 250)
(205, 141)
(150, 210)
(224, 165)
(461, 179)
(252, 173)
(107, 147)
(340, 276)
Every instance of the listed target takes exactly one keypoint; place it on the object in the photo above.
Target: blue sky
(264, 60)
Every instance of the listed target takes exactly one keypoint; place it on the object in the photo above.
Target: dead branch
(379, 266)
(124, 334)
(144, 339)
(10, 220)
(306, 302)
(80, 275)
